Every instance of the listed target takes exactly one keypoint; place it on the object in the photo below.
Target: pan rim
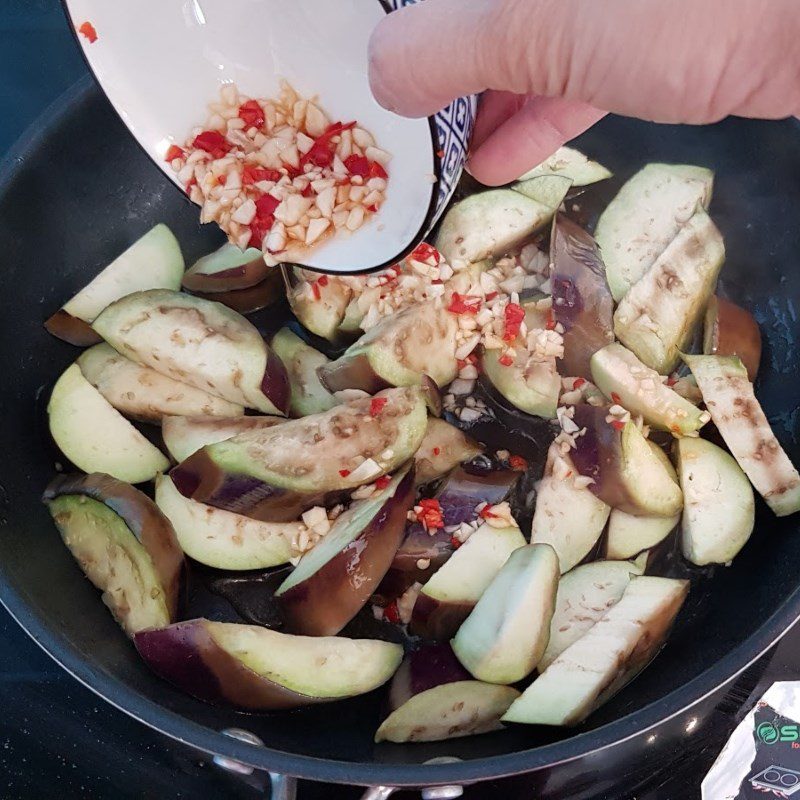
(118, 694)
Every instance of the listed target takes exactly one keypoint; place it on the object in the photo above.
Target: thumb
(423, 56)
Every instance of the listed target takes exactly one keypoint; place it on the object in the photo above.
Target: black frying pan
(77, 190)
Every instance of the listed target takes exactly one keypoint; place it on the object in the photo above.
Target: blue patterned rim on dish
(453, 126)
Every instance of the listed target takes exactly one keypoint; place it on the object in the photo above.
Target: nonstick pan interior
(78, 190)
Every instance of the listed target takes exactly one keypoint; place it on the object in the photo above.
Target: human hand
(552, 68)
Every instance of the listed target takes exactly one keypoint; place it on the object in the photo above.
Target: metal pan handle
(284, 787)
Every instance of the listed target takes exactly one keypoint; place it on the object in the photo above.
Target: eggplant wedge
(731, 330)
(489, 224)
(198, 342)
(506, 634)
(624, 379)
(398, 351)
(658, 316)
(626, 472)
(448, 710)
(582, 301)
(94, 436)
(729, 397)
(123, 543)
(629, 535)
(227, 269)
(334, 580)
(257, 669)
(646, 216)
(530, 385)
(443, 448)
(320, 307)
(276, 473)
(308, 395)
(184, 436)
(569, 163)
(142, 393)
(609, 655)
(222, 539)
(447, 599)
(152, 262)
(269, 292)
(584, 595)
(719, 508)
(549, 190)
(422, 552)
(567, 516)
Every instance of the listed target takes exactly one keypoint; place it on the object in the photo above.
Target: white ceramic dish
(162, 63)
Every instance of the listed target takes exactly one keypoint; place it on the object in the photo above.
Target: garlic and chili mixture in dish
(278, 174)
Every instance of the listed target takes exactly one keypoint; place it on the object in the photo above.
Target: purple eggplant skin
(250, 298)
(275, 383)
(433, 396)
(598, 455)
(143, 518)
(351, 372)
(427, 667)
(458, 496)
(187, 656)
(72, 330)
(582, 301)
(438, 620)
(731, 330)
(200, 478)
(326, 601)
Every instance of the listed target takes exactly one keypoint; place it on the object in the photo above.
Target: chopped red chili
(222, 180)
(518, 463)
(383, 482)
(315, 291)
(321, 152)
(506, 360)
(491, 296)
(376, 170)
(308, 191)
(174, 152)
(430, 514)
(487, 513)
(322, 280)
(261, 224)
(440, 153)
(376, 405)
(551, 321)
(514, 315)
(266, 205)
(672, 380)
(578, 382)
(357, 165)
(464, 303)
(455, 542)
(617, 424)
(436, 451)
(391, 614)
(372, 209)
(616, 398)
(87, 29)
(252, 114)
(425, 252)
(251, 175)
(213, 142)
